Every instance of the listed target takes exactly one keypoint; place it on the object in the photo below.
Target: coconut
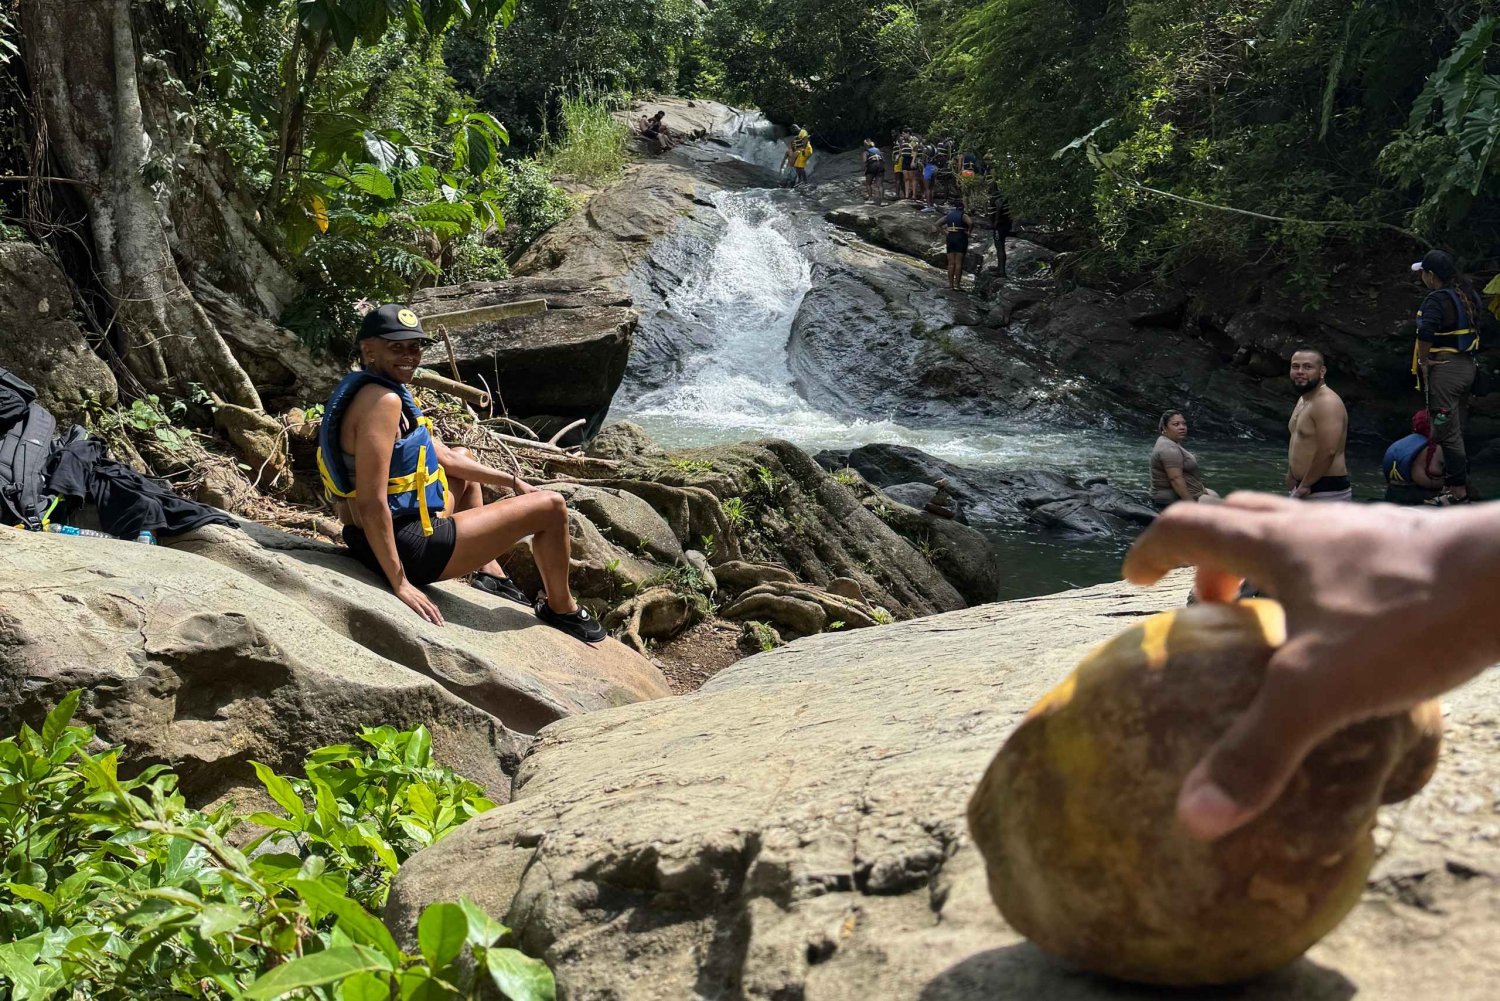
(1076, 814)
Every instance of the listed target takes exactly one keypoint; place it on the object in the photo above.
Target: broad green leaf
(422, 800)
(365, 987)
(272, 820)
(484, 931)
(442, 931)
(420, 984)
(277, 867)
(419, 749)
(315, 970)
(57, 720)
(519, 976)
(33, 894)
(218, 919)
(372, 181)
(359, 924)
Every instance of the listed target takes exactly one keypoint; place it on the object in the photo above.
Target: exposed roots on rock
(657, 613)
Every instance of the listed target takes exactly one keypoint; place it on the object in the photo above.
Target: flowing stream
(739, 294)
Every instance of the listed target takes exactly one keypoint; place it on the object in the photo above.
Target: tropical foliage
(112, 888)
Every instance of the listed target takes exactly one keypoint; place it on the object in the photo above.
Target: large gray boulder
(1047, 498)
(793, 513)
(234, 646)
(548, 369)
(796, 830)
(616, 227)
(41, 341)
(626, 520)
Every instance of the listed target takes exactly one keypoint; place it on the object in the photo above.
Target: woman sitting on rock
(412, 508)
(1174, 470)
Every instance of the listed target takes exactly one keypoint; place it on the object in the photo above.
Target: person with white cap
(1443, 359)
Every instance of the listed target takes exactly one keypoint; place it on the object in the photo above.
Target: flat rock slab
(227, 648)
(795, 830)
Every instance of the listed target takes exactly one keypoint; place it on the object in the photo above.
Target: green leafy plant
(369, 809)
(692, 465)
(763, 636)
(882, 616)
(734, 510)
(706, 543)
(146, 416)
(847, 476)
(115, 889)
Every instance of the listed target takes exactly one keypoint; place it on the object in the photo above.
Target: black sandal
(499, 587)
(579, 624)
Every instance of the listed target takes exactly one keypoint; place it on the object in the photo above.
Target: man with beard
(1316, 469)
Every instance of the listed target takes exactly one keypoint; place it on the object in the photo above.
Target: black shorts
(958, 243)
(423, 557)
(874, 169)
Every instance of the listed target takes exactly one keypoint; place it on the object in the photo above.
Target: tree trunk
(82, 59)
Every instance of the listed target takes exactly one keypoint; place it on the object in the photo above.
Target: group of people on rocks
(1428, 466)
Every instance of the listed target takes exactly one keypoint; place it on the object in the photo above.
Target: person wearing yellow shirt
(798, 152)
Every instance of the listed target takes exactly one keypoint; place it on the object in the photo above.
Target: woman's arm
(1179, 483)
(374, 419)
(468, 469)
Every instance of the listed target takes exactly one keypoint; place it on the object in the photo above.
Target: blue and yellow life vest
(417, 483)
(954, 222)
(1462, 339)
(1399, 458)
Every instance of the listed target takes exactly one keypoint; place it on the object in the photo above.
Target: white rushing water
(744, 293)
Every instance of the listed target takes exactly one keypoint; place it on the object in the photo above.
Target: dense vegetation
(1349, 120)
(115, 889)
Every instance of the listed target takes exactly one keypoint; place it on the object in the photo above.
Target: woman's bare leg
(467, 497)
(486, 532)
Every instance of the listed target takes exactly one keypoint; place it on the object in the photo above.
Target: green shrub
(532, 204)
(115, 889)
(592, 145)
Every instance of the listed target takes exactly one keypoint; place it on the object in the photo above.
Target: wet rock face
(796, 830)
(1047, 498)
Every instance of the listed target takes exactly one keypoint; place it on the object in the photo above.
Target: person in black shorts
(874, 172)
(1000, 223)
(956, 227)
(412, 507)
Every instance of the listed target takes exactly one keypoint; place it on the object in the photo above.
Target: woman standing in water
(1174, 470)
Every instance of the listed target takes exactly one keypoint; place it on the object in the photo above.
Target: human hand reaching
(1385, 607)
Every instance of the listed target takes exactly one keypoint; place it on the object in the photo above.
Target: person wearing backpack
(1443, 359)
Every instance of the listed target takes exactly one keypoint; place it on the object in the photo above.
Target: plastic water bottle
(88, 533)
(147, 538)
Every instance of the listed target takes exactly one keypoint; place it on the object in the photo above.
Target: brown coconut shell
(1076, 814)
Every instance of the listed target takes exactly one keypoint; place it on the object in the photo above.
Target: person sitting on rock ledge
(394, 485)
(1174, 470)
(655, 132)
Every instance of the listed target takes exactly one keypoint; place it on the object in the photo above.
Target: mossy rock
(1076, 814)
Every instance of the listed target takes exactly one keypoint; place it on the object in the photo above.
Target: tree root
(657, 613)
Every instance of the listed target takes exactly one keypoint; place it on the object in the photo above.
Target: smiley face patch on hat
(407, 317)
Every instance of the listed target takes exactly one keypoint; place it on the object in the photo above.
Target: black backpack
(26, 430)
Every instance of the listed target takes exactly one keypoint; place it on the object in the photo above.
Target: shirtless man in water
(1319, 427)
